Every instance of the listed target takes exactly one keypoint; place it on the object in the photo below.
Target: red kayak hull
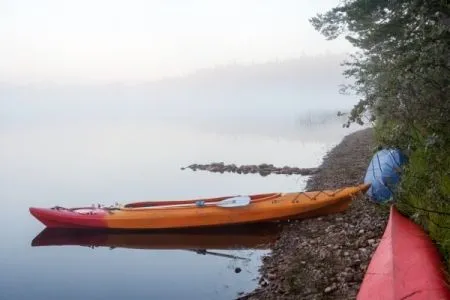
(406, 265)
(68, 219)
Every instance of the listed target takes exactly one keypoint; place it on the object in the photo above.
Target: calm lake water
(49, 163)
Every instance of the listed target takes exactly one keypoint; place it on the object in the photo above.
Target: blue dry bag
(383, 174)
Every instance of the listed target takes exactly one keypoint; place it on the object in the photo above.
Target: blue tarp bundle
(383, 173)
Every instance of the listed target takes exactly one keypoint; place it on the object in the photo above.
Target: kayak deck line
(175, 203)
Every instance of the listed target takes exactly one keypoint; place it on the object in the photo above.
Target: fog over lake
(75, 145)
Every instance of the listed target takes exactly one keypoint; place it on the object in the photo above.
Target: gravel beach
(326, 257)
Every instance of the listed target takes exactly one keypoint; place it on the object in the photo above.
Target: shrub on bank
(402, 75)
(424, 191)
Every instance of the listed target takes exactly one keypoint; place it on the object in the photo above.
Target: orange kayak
(406, 265)
(202, 212)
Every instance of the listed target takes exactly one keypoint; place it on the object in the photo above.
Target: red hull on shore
(406, 265)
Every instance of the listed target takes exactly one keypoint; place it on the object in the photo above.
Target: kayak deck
(188, 213)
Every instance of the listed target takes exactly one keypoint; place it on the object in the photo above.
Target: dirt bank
(326, 257)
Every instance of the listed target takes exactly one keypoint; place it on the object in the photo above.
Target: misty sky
(136, 40)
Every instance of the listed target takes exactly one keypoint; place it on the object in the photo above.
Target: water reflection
(212, 263)
(255, 236)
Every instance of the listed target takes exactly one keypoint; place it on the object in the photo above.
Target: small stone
(330, 288)
(341, 274)
(360, 242)
(271, 276)
(329, 228)
(346, 253)
(348, 277)
(237, 270)
(361, 231)
(358, 277)
(266, 259)
(339, 219)
(263, 282)
(279, 289)
(355, 263)
(371, 241)
(322, 254)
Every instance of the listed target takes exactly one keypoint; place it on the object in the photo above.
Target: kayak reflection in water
(255, 236)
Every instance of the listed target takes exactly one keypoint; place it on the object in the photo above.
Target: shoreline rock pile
(262, 169)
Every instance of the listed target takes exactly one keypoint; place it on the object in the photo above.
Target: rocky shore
(326, 257)
(262, 169)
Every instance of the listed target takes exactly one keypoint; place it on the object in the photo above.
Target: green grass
(424, 191)
(424, 195)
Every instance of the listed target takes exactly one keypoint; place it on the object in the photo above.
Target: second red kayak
(406, 265)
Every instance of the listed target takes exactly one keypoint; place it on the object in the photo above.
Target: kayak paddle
(237, 201)
(229, 202)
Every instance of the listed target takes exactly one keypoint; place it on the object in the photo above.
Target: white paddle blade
(235, 201)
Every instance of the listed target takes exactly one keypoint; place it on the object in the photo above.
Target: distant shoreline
(326, 257)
